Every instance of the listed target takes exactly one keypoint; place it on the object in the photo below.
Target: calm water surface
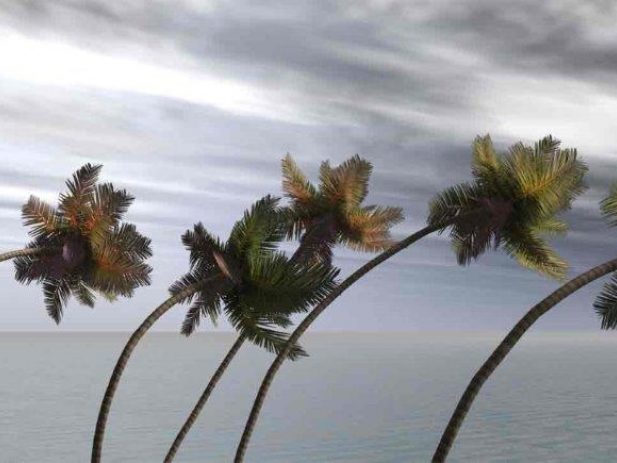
(374, 398)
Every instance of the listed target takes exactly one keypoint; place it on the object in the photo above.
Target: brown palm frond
(43, 218)
(74, 203)
(347, 183)
(368, 228)
(295, 184)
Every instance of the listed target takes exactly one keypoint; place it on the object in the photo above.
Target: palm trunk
(99, 434)
(310, 318)
(21, 253)
(508, 343)
(188, 424)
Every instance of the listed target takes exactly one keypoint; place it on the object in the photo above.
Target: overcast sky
(191, 104)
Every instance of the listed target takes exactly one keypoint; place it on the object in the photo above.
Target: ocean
(359, 398)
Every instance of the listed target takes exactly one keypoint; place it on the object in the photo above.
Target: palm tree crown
(333, 212)
(85, 245)
(254, 285)
(512, 202)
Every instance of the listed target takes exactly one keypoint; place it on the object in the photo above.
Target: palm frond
(534, 253)
(485, 162)
(369, 228)
(259, 231)
(295, 184)
(278, 285)
(43, 218)
(129, 241)
(82, 293)
(347, 183)
(608, 205)
(550, 177)
(56, 294)
(261, 334)
(116, 273)
(202, 245)
(107, 208)
(605, 304)
(454, 201)
(80, 189)
(183, 283)
(550, 226)
(208, 305)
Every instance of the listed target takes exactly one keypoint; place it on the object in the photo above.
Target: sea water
(358, 398)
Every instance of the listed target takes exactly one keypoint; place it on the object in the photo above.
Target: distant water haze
(359, 397)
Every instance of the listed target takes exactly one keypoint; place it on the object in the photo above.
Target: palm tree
(82, 246)
(333, 213)
(605, 305)
(320, 218)
(511, 203)
(245, 278)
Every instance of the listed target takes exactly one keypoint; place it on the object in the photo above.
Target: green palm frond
(454, 201)
(290, 288)
(260, 333)
(485, 162)
(82, 293)
(207, 304)
(56, 294)
(608, 205)
(202, 245)
(295, 184)
(259, 231)
(550, 226)
(43, 218)
(130, 242)
(530, 251)
(606, 304)
(185, 282)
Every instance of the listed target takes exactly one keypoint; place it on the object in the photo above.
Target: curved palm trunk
(188, 424)
(21, 253)
(500, 353)
(304, 325)
(99, 434)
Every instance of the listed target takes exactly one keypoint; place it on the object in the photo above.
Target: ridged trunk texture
(188, 424)
(500, 353)
(310, 318)
(21, 253)
(99, 434)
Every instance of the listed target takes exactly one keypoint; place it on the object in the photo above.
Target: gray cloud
(407, 85)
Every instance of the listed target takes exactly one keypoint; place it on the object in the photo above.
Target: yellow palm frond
(295, 184)
(348, 182)
(485, 160)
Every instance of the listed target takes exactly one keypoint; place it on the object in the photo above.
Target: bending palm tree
(511, 203)
(321, 218)
(256, 288)
(605, 305)
(82, 246)
(333, 213)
